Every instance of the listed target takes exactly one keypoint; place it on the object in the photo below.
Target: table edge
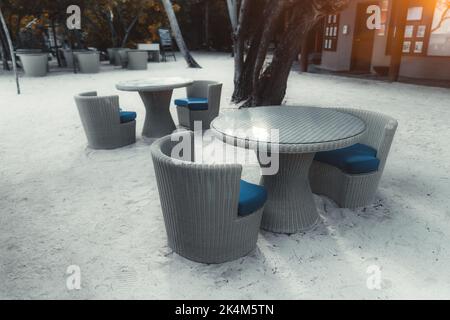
(155, 89)
(291, 147)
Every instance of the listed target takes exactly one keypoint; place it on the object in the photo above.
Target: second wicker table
(156, 93)
(300, 133)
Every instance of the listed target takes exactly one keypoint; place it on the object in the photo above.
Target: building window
(415, 32)
(439, 43)
(331, 32)
(419, 35)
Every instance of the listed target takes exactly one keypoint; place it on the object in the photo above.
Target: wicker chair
(200, 205)
(166, 44)
(101, 121)
(356, 190)
(210, 91)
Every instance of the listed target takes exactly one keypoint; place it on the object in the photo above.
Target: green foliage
(97, 29)
(100, 31)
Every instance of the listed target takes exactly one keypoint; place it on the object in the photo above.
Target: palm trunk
(233, 13)
(206, 40)
(272, 84)
(128, 31)
(109, 18)
(250, 33)
(11, 49)
(255, 83)
(56, 42)
(4, 51)
(178, 36)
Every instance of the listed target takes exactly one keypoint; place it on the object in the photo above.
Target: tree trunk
(233, 13)
(11, 49)
(56, 43)
(272, 85)
(258, 82)
(206, 40)
(249, 69)
(128, 31)
(4, 51)
(178, 36)
(271, 18)
(243, 69)
(109, 18)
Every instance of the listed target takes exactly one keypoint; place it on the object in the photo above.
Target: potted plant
(137, 59)
(34, 62)
(88, 61)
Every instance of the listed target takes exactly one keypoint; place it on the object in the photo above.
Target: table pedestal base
(290, 207)
(158, 120)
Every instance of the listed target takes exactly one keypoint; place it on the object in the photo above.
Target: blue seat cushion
(194, 104)
(251, 198)
(355, 159)
(127, 116)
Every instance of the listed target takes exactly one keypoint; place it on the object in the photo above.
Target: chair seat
(127, 116)
(356, 159)
(252, 197)
(194, 104)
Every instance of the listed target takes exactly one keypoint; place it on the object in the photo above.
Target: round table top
(300, 129)
(154, 84)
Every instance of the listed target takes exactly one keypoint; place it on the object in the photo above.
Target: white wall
(340, 60)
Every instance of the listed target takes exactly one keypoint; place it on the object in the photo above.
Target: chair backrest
(100, 116)
(165, 37)
(192, 191)
(211, 90)
(380, 130)
(98, 109)
(148, 46)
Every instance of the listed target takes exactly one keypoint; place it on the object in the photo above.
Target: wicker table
(303, 131)
(156, 93)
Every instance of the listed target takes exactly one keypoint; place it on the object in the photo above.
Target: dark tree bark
(247, 32)
(128, 31)
(112, 29)
(55, 40)
(206, 25)
(233, 13)
(11, 48)
(4, 50)
(259, 80)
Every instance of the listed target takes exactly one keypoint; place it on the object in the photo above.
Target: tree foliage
(105, 23)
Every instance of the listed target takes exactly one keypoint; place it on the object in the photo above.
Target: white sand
(62, 204)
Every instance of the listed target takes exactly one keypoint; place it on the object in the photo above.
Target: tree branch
(441, 21)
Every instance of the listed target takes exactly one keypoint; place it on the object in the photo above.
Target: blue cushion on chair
(127, 116)
(251, 198)
(194, 104)
(355, 159)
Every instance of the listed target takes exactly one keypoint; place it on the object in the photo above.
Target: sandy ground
(62, 204)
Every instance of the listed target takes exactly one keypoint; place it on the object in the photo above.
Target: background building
(347, 44)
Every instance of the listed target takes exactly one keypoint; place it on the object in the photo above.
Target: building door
(362, 40)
